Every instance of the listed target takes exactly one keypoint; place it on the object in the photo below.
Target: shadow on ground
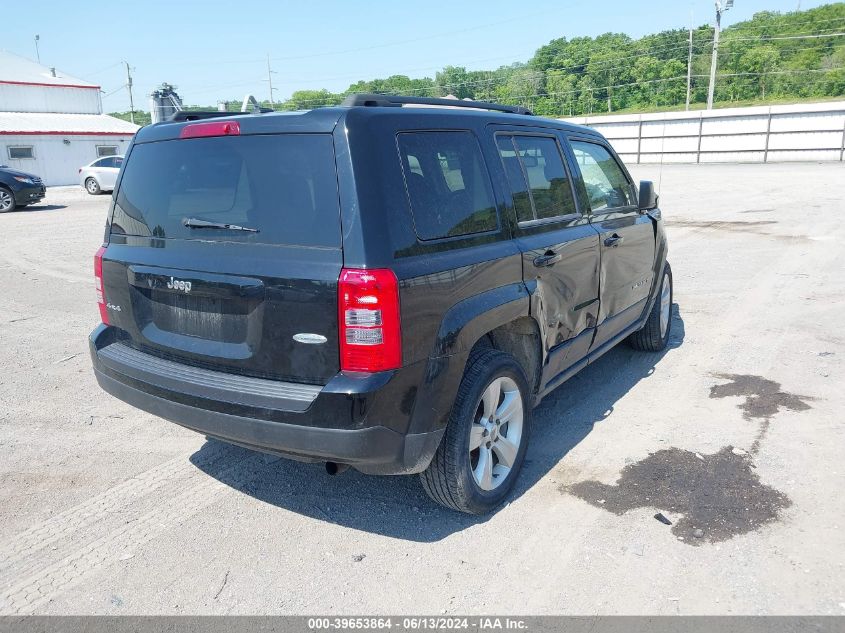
(397, 506)
(39, 207)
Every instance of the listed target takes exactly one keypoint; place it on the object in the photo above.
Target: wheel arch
(520, 339)
(497, 318)
(465, 323)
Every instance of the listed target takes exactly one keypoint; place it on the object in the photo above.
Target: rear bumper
(340, 422)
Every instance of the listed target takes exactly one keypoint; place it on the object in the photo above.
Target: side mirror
(648, 196)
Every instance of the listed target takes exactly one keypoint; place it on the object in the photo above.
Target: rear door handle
(548, 259)
(614, 240)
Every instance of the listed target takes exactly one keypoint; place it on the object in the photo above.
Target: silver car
(100, 175)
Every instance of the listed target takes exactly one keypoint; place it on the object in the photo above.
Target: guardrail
(763, 134)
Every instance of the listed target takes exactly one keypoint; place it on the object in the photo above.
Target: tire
(7, 200)
(455, 476)
(654, 335)
(92, 186)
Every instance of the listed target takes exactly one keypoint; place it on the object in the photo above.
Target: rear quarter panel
(452, 290)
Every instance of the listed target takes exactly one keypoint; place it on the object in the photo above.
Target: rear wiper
(196, 223)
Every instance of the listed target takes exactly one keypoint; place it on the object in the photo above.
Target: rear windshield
(283, 185)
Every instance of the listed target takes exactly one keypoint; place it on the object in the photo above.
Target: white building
(51, 123)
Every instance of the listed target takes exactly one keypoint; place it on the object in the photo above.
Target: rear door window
(539, 182)
(282, 185)
(448, 184)
(516, 178)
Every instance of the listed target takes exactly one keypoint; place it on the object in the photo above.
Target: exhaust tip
(334, 468)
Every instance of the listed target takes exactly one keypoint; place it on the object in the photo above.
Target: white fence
(780, 133)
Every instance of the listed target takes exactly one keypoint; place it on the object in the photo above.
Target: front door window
(607, 186)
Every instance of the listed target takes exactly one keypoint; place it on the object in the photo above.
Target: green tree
(760, 60)
(308, 99)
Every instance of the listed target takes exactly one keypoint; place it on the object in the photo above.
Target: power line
(430, 36)
(527, 98)
(519, 73)
(741, 25)
(406, 41)
(592, 65)
(216, 88)
(647, 53)
(102, 70)
(594, 90)
(404, 72)
(113, 92)
(599, 88)
(791, 37)
(786, 72)
(586, 68)
(782, 51)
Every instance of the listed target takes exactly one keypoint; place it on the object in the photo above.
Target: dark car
(382, 287)
(18, 189)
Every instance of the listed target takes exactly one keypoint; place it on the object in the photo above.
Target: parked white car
(101, 174)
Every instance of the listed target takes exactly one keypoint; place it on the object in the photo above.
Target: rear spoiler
(198, 115)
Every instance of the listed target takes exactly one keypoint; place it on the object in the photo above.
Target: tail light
(211, 128)
(98, 284)
(368, 314)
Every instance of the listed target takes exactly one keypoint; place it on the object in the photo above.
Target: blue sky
(217, 52)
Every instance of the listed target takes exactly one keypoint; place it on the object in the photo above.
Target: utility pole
(129, 86)
(714, 59)
(37, 54)
(270, 80)
(689, 59)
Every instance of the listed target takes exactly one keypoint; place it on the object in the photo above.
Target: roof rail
(376, 100)
(197, 115)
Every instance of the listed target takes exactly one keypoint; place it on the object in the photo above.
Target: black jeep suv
(377, 285)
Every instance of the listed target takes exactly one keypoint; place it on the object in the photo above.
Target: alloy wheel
(496, 433)
(7, 202)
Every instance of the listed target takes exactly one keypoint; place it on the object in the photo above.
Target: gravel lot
(735, 435)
